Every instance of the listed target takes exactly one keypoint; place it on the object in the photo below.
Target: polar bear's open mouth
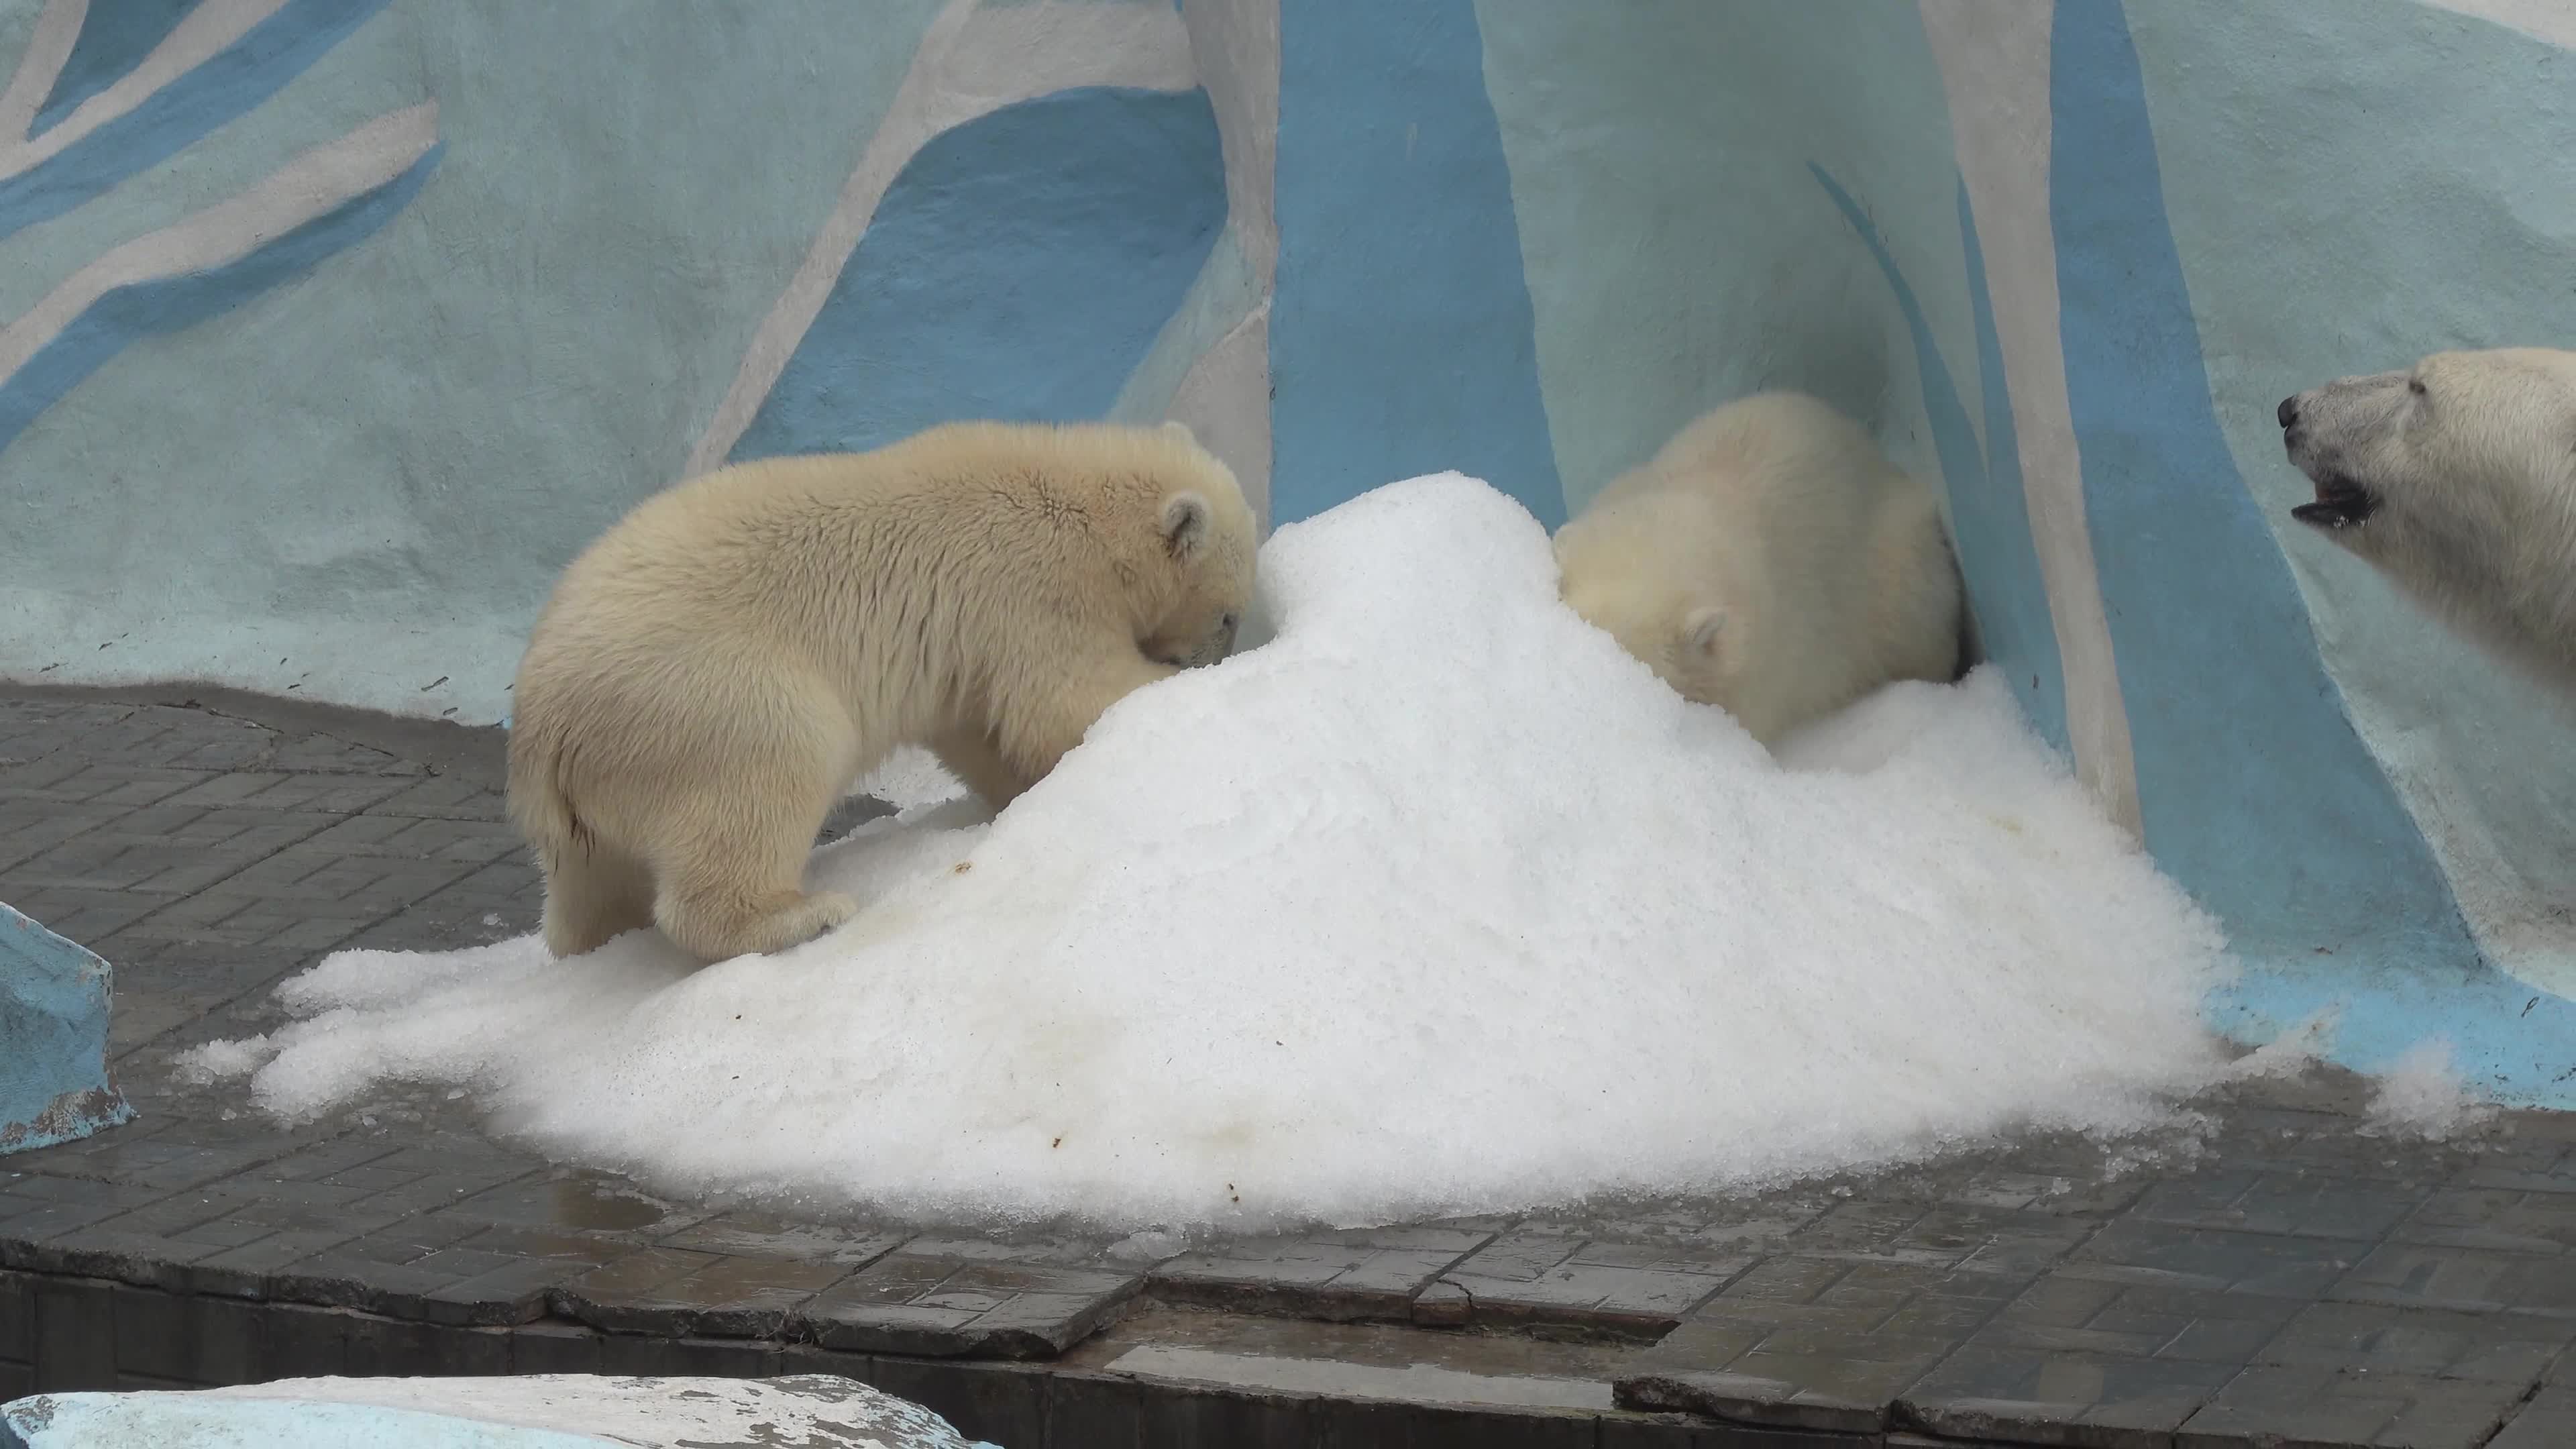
(2340, 503)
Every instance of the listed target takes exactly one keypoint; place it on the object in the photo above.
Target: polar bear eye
(2415, 385)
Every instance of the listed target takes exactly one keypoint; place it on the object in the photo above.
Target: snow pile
(217, 1060)
(1435, 903)
(2421, 1096)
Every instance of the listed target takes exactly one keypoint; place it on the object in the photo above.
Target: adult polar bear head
(2457, 478)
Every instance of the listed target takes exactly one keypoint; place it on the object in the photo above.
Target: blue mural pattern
(1989, 512)
(1018, 268)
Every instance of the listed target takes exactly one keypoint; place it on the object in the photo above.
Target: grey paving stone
(82, 914)
(443, 797)
(1063, 1250)
(154, 1165)
(247, 1271)
(491, 903)
(1583, 1285)
(2507, 1220)
(1824, 1343)
(1337, 1277)
(30, 729)
(2064, 1313)
(1724, 1370)
(2506, 1348)
(2022, 1396)
(2129, 1250)
(942, 1307)
(2547, 1168)
(380, 1273)
(1762, 1225)
(459, 842)
(577, 1202)
(1869, 1228)
(280, 791)
(72, 780)
(2477, 1279)
(31, 828)
(100, 1250)
(322, 1161)
(512, 1290)
(2277, 1404)
(2013, 1242)
(759, 1235)
(700, 1295)
(2548, 1421)
(2297, 1204)
(322, 754)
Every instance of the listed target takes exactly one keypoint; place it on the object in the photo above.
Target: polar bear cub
(712, 673)
(1769, 561)
(2456, 478)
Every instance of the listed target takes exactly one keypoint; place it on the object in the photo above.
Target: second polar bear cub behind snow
(1769, 561)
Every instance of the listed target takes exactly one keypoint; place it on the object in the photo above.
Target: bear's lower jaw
(2340, 503)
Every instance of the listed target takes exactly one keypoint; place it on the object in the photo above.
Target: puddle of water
(580, 1202)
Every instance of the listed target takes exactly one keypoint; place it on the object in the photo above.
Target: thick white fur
(2457, 478)
(1769, 561)
(714, 671)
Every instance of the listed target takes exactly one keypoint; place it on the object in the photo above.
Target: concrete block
(54, 1082)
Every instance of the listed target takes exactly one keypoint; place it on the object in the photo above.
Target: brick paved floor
(2277, 1277)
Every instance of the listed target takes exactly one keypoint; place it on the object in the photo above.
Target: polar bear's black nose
(2288, 411)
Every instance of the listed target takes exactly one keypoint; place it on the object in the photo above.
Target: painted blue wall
(2435, 226)
(1705, 213)
(1989, 514)
(1401, 332)
(2258, 794)
(129, 313)
(110, 44)
(228, 85)
(1019, 267)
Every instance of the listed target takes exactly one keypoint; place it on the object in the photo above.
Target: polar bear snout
(2328, 432)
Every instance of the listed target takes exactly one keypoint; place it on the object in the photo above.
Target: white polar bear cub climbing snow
(715, 670)
(1769, 561)
(2456, 478)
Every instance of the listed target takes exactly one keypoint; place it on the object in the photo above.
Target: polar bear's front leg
(1051, 719)
(975, 757)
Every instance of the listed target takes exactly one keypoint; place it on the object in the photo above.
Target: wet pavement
(2270, 1274)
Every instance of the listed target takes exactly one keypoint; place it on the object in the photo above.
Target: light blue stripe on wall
(1402, 339)
(1019, 267)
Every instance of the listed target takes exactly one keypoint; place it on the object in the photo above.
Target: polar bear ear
(1187, 520)
(1180, 430)
(1700, 630)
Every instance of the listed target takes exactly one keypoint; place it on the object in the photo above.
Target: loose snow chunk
(1435, 902)
(2421, 1096)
